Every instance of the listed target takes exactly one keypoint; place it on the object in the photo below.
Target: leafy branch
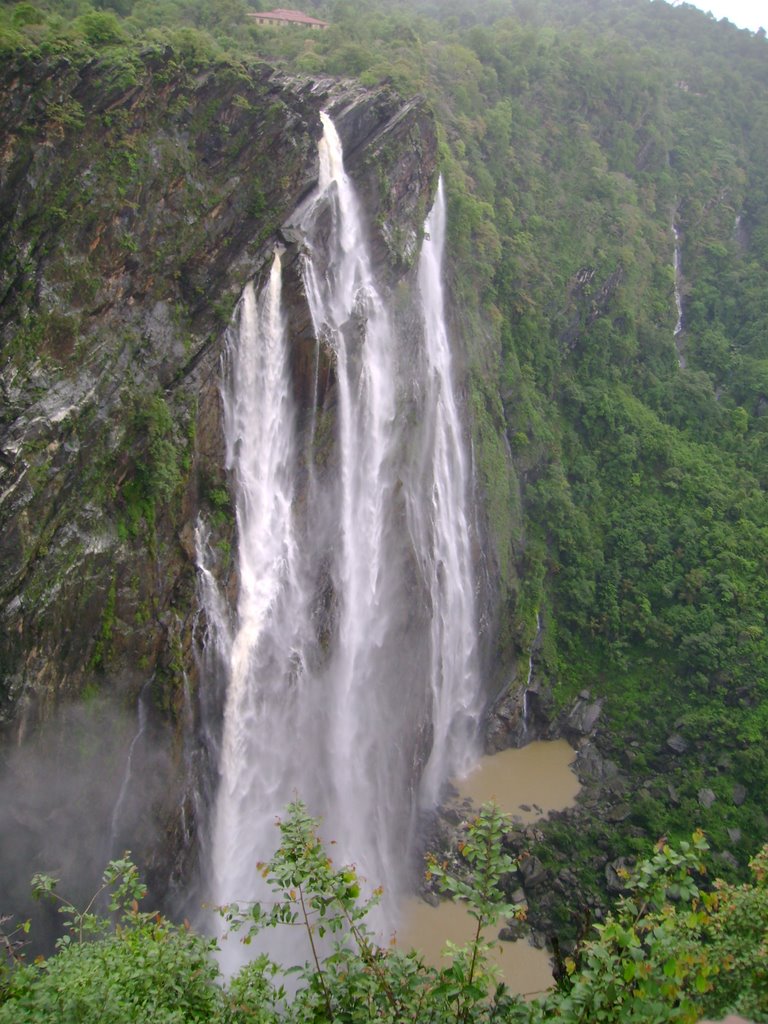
(127, 889)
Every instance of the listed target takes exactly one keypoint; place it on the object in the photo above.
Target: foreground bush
(674, 949)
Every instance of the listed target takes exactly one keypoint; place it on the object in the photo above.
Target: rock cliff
(137, 195)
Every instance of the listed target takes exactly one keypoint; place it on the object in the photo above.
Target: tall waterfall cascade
(349, 660)
(448, 558)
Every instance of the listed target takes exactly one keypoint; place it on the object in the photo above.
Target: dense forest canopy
(623, 468)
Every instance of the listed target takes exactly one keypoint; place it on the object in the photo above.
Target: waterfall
(529, 678)
(453, 671)
(261, 735)
(348, 310)
(350, 659)
(681, 361)
(125, 786)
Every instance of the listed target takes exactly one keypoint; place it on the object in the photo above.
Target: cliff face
(136, 198)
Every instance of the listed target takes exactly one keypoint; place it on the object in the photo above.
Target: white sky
(752, 14)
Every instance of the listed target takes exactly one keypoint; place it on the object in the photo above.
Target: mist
(59, 794)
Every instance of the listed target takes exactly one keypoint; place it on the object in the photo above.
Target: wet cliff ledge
(137, 194)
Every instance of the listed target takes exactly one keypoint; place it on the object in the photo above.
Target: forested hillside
(621, 455)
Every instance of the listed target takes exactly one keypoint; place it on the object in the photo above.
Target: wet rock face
(133, 208)
(519, 716)
(393, 167)
(583, 717)
(131, 214)
(526, 713)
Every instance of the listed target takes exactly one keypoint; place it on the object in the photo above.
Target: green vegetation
(671, 950)
(118, 968)
(103, 643)
(155, 474)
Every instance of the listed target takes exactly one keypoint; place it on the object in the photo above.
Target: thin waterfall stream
(678, 264)
(529, 678)
(349, 661)
(125, 786)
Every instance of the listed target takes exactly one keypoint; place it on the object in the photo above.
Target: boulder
(616, 874)
(620, 812)
(532, 871)
(584, 716)
(453, 815)
(513, 930)
(676, 743)
(595, 770)
(726, 857)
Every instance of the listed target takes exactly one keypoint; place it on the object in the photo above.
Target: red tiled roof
(280, 14)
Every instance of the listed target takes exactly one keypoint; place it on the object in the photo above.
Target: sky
(751, 14)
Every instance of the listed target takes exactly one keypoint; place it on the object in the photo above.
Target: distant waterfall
(529, 679)
(681, 361)
(366, 721)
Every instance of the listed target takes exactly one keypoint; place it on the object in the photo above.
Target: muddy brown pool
(526, 783)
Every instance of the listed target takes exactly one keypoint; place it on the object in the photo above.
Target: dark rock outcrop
(583, 717)
(617, 874)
